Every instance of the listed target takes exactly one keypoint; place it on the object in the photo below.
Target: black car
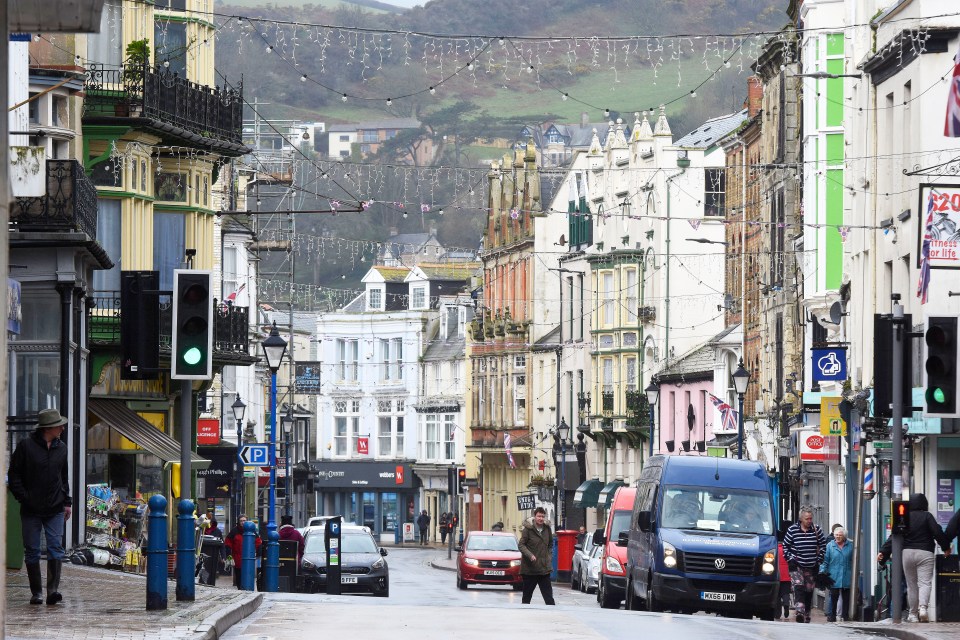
(363, 568)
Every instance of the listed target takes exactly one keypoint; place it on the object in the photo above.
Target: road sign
(831, 422)
(525, 501)
(254, 455)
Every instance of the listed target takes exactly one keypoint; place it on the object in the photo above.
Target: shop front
(379, 495)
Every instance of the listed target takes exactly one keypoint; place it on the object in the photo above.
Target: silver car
(578, 567)
(593, 570)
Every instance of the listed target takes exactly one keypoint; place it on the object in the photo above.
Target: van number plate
(720, 597)
(494, 573)
(348, 579)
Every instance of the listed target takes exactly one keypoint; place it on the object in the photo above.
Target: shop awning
(140, 432)
(587, 494)
(608, 491)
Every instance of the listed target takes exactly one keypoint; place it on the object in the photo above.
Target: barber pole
(868, 490)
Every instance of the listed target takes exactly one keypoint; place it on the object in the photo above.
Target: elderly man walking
(804, 547)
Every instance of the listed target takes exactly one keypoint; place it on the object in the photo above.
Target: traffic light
(139, 325)
(461, 478)
(900, 517)
(940, 367)
(883, 365)
(191, 356)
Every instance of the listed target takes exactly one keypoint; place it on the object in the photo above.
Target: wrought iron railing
(155, 92)
(70, 202)
(230, 324)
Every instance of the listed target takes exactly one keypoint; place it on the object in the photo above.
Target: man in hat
(38, 480)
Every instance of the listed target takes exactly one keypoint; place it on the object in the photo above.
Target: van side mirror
(598, 538)
(623, 539)
(643, 521)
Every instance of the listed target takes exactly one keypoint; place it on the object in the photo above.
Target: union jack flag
(232, 298)
(951, 126)
(729, 416)
(924, 283)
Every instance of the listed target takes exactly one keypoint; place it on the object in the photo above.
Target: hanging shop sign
(939, 209)
(829, 365)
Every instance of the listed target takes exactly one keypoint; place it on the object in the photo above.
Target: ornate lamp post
(238, 410)
(563, 433)
(741, 378)
(273, 349)
(653, 394)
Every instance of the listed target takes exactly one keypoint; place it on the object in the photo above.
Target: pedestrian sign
(831, 424)
(254, 455)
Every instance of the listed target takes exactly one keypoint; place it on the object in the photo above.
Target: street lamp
(653, 394)
(563, 432)
(273, 349)
(741, 378)
(238, 410)
(287, 423)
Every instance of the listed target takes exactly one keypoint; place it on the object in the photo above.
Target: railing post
(157, 554)
(186, 552)
(248, 569)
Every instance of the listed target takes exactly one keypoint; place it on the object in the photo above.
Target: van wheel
(606, 600)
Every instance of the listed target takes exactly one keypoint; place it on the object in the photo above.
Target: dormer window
(375, 299)
(418, 297)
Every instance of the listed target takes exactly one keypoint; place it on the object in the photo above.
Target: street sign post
(254, 455)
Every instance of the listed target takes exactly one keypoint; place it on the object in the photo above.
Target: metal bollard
(157, 554)
(186, 552)
(248, 569)
(271, 567)
(554, 560)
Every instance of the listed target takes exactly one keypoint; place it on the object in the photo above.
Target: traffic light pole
(896, 437)
(185, 561)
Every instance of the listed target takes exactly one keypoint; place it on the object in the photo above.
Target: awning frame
(587, 494)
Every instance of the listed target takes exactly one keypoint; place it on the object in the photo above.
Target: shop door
(370, 510)
(388, 511)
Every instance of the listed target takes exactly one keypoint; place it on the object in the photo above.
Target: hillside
(493, 67)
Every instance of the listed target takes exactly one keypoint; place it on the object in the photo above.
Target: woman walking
(838, 564)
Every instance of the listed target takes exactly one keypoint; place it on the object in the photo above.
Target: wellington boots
(36, 583)
(53, 581)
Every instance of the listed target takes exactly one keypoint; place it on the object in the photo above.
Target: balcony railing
(70, 202)
(230, 326)
(163, 95)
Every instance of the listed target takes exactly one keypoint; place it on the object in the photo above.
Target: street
(425, 603)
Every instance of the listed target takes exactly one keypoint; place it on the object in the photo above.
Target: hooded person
(918, 558)
(289, 532)
(536, 547)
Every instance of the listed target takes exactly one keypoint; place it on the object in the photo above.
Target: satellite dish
(836, 312)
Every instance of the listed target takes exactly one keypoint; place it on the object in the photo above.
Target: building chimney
(754, 96)
(433, 231)
(584, 118)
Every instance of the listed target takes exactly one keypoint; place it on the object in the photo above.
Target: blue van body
(702, 538)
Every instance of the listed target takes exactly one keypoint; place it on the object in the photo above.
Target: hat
(50, 418)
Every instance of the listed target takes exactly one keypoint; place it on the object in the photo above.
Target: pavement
(104, 604)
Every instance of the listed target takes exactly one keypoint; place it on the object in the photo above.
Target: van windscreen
(714, 509)
(621, 522)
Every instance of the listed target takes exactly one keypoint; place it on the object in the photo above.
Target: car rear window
(492, 543)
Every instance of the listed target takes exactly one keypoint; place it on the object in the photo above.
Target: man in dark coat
(39, 481)
(423, 524)
(536, 547)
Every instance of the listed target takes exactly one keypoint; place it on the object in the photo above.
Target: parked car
(591, 575)
(363, 567)
(581, 557)
(489, 557)
(320, 521)
(613, 576)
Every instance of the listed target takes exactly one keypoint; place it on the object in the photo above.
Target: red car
(489, 557)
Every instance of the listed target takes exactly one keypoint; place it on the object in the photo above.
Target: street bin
(288, 566)
(948, 588)
(566, 540)
(14, 534)
(212, 548)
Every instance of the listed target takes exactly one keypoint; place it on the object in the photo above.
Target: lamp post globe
(653, 394)
(273, 349)
(741, 378)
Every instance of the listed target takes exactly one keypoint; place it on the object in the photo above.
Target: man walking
(423, 524)
(536, 547)
(38, 480)
(804, 546)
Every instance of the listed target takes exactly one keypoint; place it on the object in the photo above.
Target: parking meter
(331, 538)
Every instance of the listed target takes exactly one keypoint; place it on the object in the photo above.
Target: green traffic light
(939, 395)
(192, 355)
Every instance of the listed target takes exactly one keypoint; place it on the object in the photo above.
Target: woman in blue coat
(838, 564)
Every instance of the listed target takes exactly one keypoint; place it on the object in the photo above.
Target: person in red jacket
(785, 584)
(234, 542)
(289, 532)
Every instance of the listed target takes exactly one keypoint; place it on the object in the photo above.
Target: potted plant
(134, 68)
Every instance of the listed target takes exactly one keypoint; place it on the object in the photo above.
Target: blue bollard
(186, 552)
(554, 559)
(271, 567)
(157, 554)
(248, 569)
